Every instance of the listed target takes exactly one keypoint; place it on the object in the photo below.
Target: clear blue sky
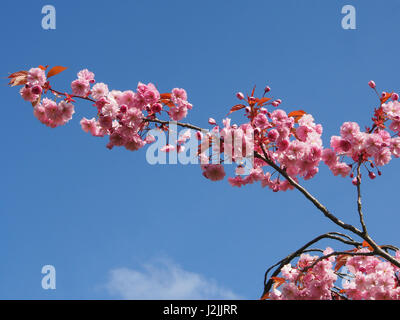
(67, 201)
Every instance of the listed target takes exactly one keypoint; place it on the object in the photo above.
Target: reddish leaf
(341, 261)
(265, 296)
(167, 102)
(365, 244)
(55, 70)
(297, 115)
(18, 78)
(43, 68)
(165, 96)
(17, 74)
(236, 108)
(252, 93)
(278, 281)
(262, 101)
(386, 97)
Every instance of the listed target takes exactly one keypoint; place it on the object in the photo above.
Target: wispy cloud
(164, 280)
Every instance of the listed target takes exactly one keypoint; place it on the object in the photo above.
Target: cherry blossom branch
(180, 124)
(359, 205)
(363, 234)
(337, 253)
(59, 93)
(122, 117)
(330, 235)
(316, 203)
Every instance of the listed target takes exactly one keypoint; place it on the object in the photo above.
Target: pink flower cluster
(35, 80)
(316, 284)
(292, 141)
(371, 278)
(81, 86)
(376, 148)
(47, 111)
(121, 114)
(363, 278)
(52, 114)
(181, 106)
(296, 147)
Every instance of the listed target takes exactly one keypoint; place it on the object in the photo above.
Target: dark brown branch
(316, 203)
(330, 235)
(337, 253)
(359, 206)
(184, 125)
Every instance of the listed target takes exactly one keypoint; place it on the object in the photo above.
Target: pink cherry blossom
(80, 87)
(36, 76)
(214, 172)
(99, 90)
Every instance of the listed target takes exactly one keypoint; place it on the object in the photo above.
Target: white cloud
(162, 281)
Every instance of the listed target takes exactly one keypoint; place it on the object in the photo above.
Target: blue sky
(107, 220)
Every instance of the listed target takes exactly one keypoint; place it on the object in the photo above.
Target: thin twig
(359, 206)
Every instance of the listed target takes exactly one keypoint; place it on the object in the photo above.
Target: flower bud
(36, 89)
(212, 121)
(157, 107)
(395, 96)
(372, 84)
(267, 89)
(240, 96)
(371, 175)
(273, 134)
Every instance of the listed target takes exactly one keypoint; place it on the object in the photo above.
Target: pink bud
(372, 84)
(354, 181)
(283, 144)
(372, 175)
(395, 96)
(267, 89)
(247, 109)
(240, 96)
(252, 99)
(273, 134)
(383, 94)
(157, 107)
(263, 110)
(36, 89)
(123, 108)
(212, 121)
(275, 103)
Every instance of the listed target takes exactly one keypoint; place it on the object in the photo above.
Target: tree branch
(331, 235)
(359, 206)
